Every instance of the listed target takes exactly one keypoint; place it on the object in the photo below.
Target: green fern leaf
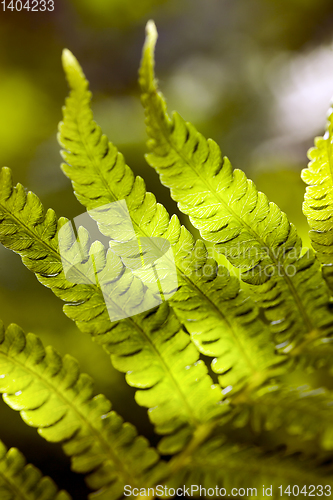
(294, 410)
(19, 481)
(222, 320)
(220, 464)
(54, 397)
(228, 210)
(318, 201)
(151, 347)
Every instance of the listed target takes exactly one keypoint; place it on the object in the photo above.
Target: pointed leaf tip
(146, 72)
(151, 31)
(68, 59)
(72, 69)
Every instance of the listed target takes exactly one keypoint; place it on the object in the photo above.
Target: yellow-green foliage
(318, 201)
(271, 372)
(21, 481)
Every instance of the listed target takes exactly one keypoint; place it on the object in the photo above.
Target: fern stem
(200, 435)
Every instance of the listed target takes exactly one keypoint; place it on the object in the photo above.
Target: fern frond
(53, 396)
(222, 320)
(218, 463)
(19, 481)
(294, 410)
(318, 200)
(229, 211)
(156, 354)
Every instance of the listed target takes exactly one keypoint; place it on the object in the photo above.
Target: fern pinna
(244, 419)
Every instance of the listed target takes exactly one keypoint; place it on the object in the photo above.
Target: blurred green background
(256, 75)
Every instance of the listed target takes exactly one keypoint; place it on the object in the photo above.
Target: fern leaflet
(151, 348)
(318, 201)
(228, 210)
(220, 464)
(54, 397)
(222, 321)
(295, 411)
(19, 481)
